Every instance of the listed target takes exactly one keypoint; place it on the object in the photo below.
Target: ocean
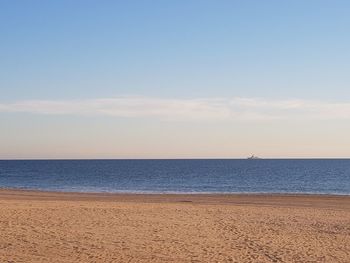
(308, 176)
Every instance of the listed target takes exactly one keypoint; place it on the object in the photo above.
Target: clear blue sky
(276, 51)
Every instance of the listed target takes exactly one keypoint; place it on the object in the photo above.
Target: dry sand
(62, 227)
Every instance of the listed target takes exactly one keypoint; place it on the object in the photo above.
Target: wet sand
(71, 227)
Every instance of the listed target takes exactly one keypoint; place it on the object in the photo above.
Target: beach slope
(71, 227)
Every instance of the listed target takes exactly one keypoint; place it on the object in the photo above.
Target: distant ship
(253, 157)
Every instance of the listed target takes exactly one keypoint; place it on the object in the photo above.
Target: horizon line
(175, 158)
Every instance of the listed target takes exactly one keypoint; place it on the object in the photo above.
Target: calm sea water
(179, 176)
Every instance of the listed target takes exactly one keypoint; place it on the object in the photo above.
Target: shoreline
(252, 199)
(174, 193)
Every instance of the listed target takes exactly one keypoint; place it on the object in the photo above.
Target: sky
(174, 79)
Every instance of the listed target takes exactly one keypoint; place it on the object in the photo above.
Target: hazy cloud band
(187, 109)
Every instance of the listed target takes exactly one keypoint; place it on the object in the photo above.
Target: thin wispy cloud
(187, 109)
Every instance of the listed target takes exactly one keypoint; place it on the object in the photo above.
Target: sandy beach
(72, 227)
